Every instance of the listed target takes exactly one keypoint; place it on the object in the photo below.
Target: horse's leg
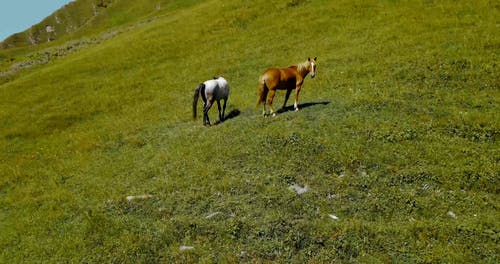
(205, 102)
(263, 91)
(224, 110)
(288, 92)
(206, 120)
(271, 97)
(296, 104)
(219, 108)
(264, 108)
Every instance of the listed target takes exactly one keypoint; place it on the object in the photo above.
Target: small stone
(299, 190)
(452, 214)
(334, 217)
(184, 248)
(212, 215)
(140, 197)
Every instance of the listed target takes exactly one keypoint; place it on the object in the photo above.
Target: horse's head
(312, 66)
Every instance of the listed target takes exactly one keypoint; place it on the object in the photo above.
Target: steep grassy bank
(88, 17)
(397, 138)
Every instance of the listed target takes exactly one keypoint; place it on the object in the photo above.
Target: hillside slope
(84, 17)
(396, 139)
(75, 26)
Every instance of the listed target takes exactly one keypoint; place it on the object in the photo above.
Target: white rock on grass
(332, 196)
(298, 189)
(334, 217)
(212, 215)
(184, 248)
(452, 214)
(139, 197)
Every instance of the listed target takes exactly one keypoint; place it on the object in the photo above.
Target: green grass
(88, 17)
(398, 133)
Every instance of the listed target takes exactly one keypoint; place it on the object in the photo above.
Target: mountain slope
(84, 17)
(396, 139)
(77, 25)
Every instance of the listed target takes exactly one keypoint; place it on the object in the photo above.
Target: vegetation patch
(393, 156)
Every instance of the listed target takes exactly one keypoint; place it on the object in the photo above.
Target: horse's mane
(303, 66)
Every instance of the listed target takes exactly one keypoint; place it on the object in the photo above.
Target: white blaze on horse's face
(313, 69)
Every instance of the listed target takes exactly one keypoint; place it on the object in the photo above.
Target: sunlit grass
(397, 137)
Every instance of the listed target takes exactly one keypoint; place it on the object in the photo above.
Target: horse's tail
(262, 91)
(197, 92)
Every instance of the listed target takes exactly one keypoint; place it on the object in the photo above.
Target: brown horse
(284, 79)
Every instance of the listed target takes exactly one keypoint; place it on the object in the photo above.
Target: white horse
(211, 90)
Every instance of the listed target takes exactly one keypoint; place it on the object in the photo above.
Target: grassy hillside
(397, 139)
(84, 17)
(77, 25)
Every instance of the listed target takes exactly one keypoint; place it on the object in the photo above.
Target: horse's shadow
(301, 106)
(234, 113)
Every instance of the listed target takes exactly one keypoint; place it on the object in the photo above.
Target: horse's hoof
(274, 115)
(296, 109)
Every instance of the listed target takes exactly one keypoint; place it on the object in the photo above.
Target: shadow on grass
(234, 113)
(301, 106)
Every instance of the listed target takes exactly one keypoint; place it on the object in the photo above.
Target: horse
(211, 90)
(284, 79)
